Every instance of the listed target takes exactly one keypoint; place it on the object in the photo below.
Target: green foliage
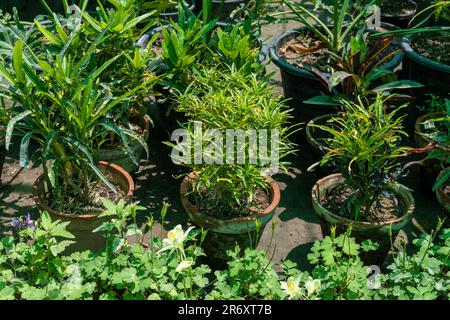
(344, 22)
(232, 100)
(364, 145)
(250, 275)
(33, 266)
(359, 71)
(424, 275)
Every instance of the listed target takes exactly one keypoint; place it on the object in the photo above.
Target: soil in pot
(393, 209)
(228, 230)
(398, 12)
(428, 62)
(84, 219)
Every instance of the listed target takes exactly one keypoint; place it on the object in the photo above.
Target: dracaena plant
(227, 183)
(365, 147)
(359, 72)
(69, 114)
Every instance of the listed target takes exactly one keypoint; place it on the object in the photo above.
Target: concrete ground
(297, 226)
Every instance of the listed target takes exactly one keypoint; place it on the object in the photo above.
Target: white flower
(291, 287)
(175, 239)
(184, 265)
(312, 285)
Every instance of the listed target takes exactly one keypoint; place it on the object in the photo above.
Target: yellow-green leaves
(18, 61)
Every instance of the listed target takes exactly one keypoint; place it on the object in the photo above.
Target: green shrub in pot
(68, 114)
(365, 146)
(228, 192)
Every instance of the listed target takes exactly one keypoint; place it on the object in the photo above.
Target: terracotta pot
(443, 198)
(223, 235)
(82, 225)
(117, 155)
(362, 230)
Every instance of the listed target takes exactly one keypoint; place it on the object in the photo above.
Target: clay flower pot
(83, 225)
(223, 235)
(363, 230)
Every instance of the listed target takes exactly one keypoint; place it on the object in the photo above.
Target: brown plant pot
(224, 235)
(443, 199)
(117, 154)
(362, 230)
(81, 226)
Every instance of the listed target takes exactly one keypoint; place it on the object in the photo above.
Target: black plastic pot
(433, 75)
(399, 20)
(300, 85)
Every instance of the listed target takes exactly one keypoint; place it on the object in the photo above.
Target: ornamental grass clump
(365, 146)
(242, 132)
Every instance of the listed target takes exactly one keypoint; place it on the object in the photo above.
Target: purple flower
(23, 222)
(15, 223)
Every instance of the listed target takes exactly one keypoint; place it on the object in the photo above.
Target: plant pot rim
(408, 211)
(417, 57)
(309, 130)
(37, 196)
(418, 129)
(275, 200)
(403, 16)
(145, 132)
(290, 68)
(175, 13)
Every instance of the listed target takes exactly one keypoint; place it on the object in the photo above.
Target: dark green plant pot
(224, 235)
(400, 20)
(433, 75)
(2, 158)
(377, 232)
(300, 85)
(223, 10)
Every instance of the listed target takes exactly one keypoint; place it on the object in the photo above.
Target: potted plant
(66, 112)
(358, 75)
(397, 12)
(433, 130)
(427, 55)
(312, 48)
(231, 193)
(364, 146)
(115, 30)
(192, 44)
